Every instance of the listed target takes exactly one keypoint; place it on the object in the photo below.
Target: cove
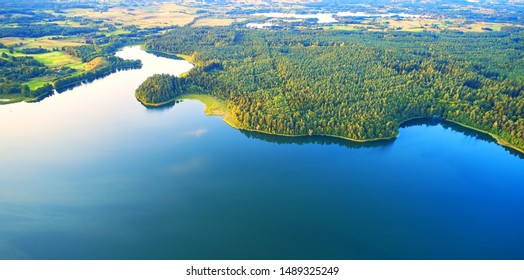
(92, 174)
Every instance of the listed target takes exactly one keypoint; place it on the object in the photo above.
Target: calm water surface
(91, 174)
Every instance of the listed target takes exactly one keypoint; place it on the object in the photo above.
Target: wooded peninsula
(355, 85)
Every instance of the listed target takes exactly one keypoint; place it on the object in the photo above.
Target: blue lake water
(92, 174)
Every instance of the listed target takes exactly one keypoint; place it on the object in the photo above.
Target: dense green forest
(159, 88)
(39, 30)
(357, 85)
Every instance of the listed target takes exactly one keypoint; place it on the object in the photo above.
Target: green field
(43, 42)
(11, 98)
(59, 59)
(38, 82)
(55, 59)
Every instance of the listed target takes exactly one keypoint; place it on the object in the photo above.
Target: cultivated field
(213, 22)
(144, 17)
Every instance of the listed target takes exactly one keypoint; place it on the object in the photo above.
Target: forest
(39, 30)
(158, 89)
(356, 84)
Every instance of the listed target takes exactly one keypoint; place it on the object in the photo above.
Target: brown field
(213, 22)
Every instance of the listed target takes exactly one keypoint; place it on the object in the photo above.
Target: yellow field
(415, 24)
(421, 24)
(152, 16)
(96, 63)
(241, 19)
(213, 22)
(478, 27)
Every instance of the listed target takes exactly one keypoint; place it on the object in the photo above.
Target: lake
(321, 17)
(325, 17)
(92, 174)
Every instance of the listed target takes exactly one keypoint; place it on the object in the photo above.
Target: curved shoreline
(156, 105)
(227, 119)
(71, 85)
(497, 138)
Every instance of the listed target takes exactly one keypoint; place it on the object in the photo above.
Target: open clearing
(59, 59)
(421, 24)
(213, 22)
(145, 17)
(54, 59)
(43, 42)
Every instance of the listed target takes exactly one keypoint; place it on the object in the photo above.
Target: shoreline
(226, 116)
(497, 138)
(156, 105)
(63, 88)
(227, 119)
(161, 54)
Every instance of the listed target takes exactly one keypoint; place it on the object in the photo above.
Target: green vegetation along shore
(216, 107)
(356, 85)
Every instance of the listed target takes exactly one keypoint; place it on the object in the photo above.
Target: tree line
(113, 64)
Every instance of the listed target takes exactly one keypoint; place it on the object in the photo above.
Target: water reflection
(162, 107)
(70, 86)
(326, 140)
(461, 129)
(321, 140)
(43, 96)
(449, 125)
